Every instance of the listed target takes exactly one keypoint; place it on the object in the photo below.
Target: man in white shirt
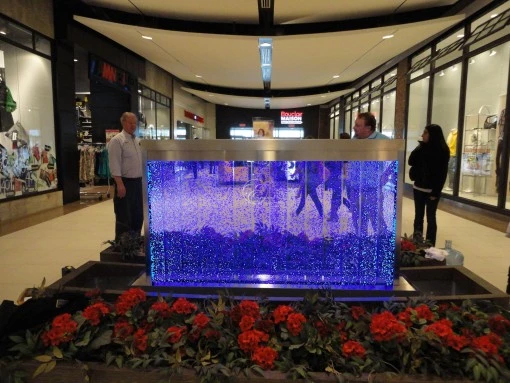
(125, 159)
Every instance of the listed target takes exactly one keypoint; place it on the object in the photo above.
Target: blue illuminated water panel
(272, 223)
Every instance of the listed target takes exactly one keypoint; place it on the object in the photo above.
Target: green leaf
(17, 339)
(40, 369)
(50, 366)
(119, 361)
(104, 339)
(477, 372)
(295, 346)
(85, 341)
(57, 353)
(43, 358)
(470, 363)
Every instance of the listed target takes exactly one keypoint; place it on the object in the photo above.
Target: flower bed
(225, 337)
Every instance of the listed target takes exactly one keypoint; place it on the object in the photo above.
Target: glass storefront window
(28, 160)
(445, 113)
(423, 57)
(390, 80)
(417, 117)
(487, 83)
(147, 116)
(495, 21)
(163, 121)
(348, 122)
(43, 45)
(388, 115)
(448, 48)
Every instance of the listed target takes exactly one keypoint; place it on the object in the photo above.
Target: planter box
(71, 372)
(111, 255)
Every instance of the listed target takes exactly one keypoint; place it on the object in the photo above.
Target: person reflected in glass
(334, 183)
(428, 169)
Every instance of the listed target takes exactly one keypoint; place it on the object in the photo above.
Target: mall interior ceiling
(272, 53)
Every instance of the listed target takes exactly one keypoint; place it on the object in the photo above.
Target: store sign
(294, 118)
(110, 73)
(193, 116)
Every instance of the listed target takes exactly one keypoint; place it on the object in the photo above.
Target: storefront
(460, 82)
(193, 117)
(154, 114)
(28, 155)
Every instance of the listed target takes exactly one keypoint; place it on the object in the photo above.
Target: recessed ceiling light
(226, 104)
(386, 37)
(472, 61)
(454, 68)
(336, 76)
(492, 52)
(75, 60)
(266, 64)
(139, 91)
(265, 45)
(460, 36)
(494, 15)
(323, 96)
(211, 95)
(3, 32)
(146, 37)
(198, 76)
(308, 104)
(441, 74)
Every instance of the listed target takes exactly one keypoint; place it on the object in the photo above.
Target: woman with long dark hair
(429, 168)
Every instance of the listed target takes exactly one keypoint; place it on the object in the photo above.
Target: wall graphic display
(263, 128)
(28, 162)
(225, 223)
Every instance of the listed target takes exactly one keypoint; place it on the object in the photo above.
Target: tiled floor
(40, 251)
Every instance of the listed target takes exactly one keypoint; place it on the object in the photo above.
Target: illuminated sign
(294, 118)
(193, 116)
(110, 73)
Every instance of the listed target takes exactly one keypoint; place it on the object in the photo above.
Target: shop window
(147, 115)
(445, 113)
(28, 161)
(42, 44)
(485, 101)
(390, 80)
(448, 49)
(163, 120)
(388, 114)
(375, 88)
(420, 63)
(18, 34)
(348, 122)
(154, 115)
(490, 27)
(417, 118)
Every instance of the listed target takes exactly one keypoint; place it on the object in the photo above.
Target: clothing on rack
(93, 160)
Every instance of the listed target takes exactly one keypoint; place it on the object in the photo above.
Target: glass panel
(445, 113)
(388, 115)
(495, 19)
(43, 45)
(448, 49)
(28, 159)
(337, 124)
(364, 106)
(18, 34)
(147, 119)
(420, 63)
(417, 118)
(485, 101)
(262, 228)
(163, 119)
(332, 128)
(390, 79)
(347, 123)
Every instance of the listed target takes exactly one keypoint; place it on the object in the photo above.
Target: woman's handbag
(491, 122)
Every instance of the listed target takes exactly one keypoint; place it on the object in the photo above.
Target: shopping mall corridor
(76, 234)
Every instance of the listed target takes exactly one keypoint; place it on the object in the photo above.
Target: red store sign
(193, 116)
(291, 118)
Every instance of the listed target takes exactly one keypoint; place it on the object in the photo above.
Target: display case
(479, 152)
(334, 223)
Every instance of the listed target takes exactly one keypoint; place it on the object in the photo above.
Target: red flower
(162, 308)
(212, 334)
(499, 324)
(442, 328)
(129, 299)
(201, 321)
(295, 323)
(457, 342)
(406, 245)
(322, 329)
(62, 330)
(140, 340)
(250, 308)
(352, 348)
(122, 329)
(265, 357)
(95, 312)
(405, 317)
(176, 333)
(489, 344)
(183, 306)
(424, 312)
(443, 307)
(281, 312)
(385, 327)
(357, 312)
(246, 323)
(250, 340)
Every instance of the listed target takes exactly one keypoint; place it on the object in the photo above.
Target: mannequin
(500, 187)
(451, 141)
